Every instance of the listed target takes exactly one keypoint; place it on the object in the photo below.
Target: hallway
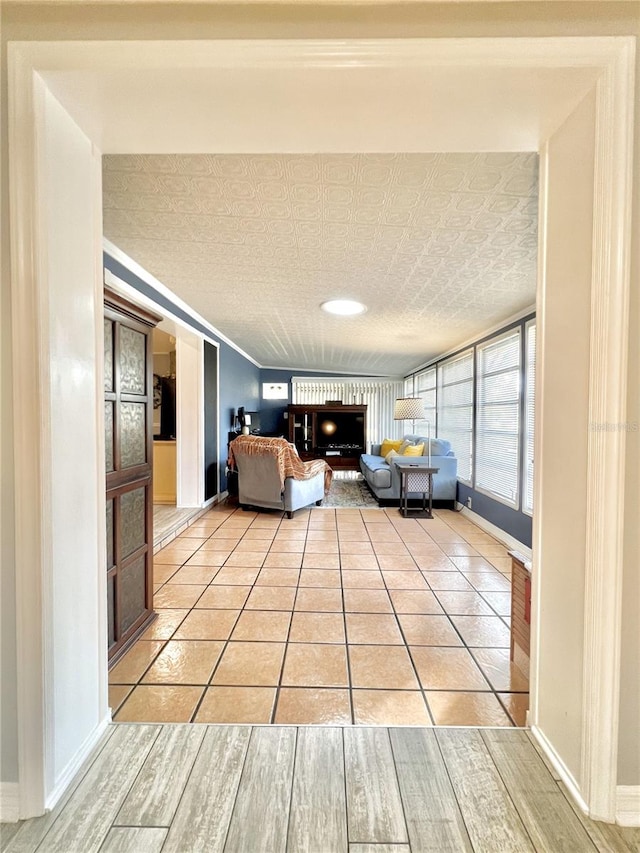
(337, 616)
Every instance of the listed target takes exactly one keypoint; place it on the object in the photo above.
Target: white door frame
(610, 58)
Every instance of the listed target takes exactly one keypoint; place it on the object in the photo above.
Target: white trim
(66, 777)
(628, 805)
(338, 377)
(536, 528)
(320, 370)
(102, 623)
(606, 451)
(32, 515)
(613, 56)
(9, 802)
(555, 52)
(127, 290)
(501, 535)
(561, 769)
(118, 255)
(532, 322)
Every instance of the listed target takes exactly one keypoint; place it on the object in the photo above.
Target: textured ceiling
(439, 247)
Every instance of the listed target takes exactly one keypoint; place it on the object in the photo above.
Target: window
(455, 409)
(275, 390)
(423, 385)
(498, 418)
(425, 388)
(529, 415)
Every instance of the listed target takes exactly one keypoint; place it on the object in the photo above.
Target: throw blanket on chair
(289, 463)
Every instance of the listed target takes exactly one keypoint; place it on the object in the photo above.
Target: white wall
(8, 670)
(55, 22)
(190, 418)
(76, 640)
(564, 318)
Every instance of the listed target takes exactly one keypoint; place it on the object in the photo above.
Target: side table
(416, 478)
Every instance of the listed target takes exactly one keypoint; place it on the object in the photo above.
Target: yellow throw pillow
(414, 450)
(388, 444)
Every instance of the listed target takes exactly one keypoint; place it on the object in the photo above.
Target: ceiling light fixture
(344, 307)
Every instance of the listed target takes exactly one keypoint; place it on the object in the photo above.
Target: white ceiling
(440, 247)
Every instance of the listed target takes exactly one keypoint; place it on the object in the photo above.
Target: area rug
(349, 491)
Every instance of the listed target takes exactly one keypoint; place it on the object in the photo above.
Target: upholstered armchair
(270, 474)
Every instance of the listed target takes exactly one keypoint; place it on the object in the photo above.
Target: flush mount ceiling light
(344, 307)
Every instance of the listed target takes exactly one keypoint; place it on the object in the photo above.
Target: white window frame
(528, 435)
(491, 342)
(439, 402)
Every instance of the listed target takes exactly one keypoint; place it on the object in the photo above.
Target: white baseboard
(628, 805)
(496, 532)
(69, 772)
(9, 802)
(561, 769)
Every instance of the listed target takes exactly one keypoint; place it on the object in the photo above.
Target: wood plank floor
(285, 789)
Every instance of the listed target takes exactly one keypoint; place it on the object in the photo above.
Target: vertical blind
(529, 415)
(455, 409)
(379, 395)
(498, 418)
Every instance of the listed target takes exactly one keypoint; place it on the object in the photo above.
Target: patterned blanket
(289, 463)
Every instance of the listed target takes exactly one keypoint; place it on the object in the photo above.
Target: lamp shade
(408, 409)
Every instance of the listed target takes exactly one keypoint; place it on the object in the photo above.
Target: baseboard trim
(561, 769)
(496, 532)
(628, 805)
(9, 802)
(69, 772)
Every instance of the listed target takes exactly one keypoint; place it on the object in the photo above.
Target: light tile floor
(339, 616)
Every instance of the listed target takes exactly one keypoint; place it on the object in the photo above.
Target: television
(340, 430)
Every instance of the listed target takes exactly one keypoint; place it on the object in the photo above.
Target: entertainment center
(331, 431)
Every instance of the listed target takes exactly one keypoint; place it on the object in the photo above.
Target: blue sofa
(384, 479)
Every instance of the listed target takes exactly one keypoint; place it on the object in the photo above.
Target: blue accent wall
(512, 521)
(272, 412)
(239, 386)
(211, 426)
(272, 419)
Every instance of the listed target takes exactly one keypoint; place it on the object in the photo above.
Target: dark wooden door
(128, 412)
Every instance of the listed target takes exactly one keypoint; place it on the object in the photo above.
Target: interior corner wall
(190, 405)
(8, 661)
(239, 386)
(76, 639)
(629, 748)
(211, 426)
(564, 317)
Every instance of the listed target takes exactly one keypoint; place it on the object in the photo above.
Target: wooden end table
(416, 478)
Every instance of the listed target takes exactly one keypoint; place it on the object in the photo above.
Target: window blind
(379, 395)
(498, 418)
(425, 388)
(455, 409)
(529, 415)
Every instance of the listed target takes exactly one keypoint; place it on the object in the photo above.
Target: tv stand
(332, 432)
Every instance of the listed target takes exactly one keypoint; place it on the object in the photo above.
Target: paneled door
(128, 415)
